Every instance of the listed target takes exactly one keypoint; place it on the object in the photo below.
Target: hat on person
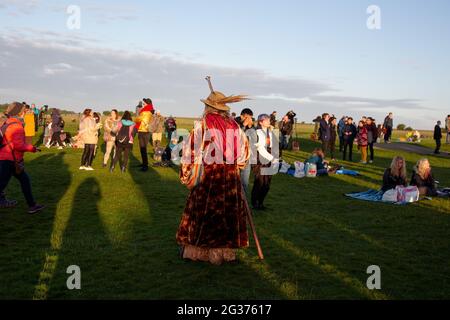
(217, 100)
(14, 109)
(263, 117)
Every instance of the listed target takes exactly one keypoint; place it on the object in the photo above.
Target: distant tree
(106, 113)
(409, 129)
(401, 127)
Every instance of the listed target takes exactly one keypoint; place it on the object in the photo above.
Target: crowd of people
(211, 228)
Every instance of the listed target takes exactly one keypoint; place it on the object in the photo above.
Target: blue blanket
(370, 195)
(348, 172)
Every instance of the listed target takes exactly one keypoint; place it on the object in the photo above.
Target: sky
(309, 56)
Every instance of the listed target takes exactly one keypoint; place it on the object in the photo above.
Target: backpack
(3, 129)
(123, 136)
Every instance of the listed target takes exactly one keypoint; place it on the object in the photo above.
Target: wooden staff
(252, 226)
(208, 78)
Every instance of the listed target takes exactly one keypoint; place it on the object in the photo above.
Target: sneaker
(82, 168)
(60, 148)
(36, 209)
(89, 169)
(371, 161)
(7, 204)
(124, 169)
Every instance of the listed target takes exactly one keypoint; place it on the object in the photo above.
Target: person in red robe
(214, 221)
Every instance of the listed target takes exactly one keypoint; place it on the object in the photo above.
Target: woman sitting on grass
(317, 158)
(395, 175)
(423, 178)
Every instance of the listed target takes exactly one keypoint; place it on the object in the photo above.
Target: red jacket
(15, 136)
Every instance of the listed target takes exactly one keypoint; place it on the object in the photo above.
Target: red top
(15, 136)
(218, 125)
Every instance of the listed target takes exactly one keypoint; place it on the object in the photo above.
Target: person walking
(157, 128)
(109, 135)
(56, 128)
(388, 126)
(372, 136)
(213, 227)
(143, 127)
(437, 137)
(29, 121)
(89, 135)
(12, 149)
(124, 142)
(362, 138)
(349, 138)
(325, 133)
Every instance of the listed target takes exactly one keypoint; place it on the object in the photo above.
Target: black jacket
(437, 133)
(390, 181)
(324, 131)
(426, 186)
(349, 132)
(286, 128)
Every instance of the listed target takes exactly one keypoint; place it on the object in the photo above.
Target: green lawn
(120, 229)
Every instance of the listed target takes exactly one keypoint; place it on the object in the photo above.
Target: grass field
(120, 230)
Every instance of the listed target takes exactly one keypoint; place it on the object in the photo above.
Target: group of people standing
(119, 133)
(366, 133)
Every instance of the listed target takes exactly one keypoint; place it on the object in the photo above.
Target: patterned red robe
(215, 215)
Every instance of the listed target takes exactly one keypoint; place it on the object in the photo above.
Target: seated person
(395, 175)
(317, 158)
(167, 159)
(423, 179)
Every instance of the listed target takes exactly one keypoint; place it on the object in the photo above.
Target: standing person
(395, 175)
(12, 164)
(213, 227)
(447, 128)
(247, 125)
(341, 126)
(388, 126)
(333, 136)
(89, 135)
(36, 112)
(372, 136)
(362, 137)
(56, 128)
(423, 178)
(325, 133)
(261, 184)
(157, 128)
(171, 126)
(437, 137)
(109, 135)
(124, 142)
(42, 116)
(286, 127)
(143, 127)
(349, 138)
(29, 120)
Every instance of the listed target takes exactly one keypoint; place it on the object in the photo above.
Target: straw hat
(218, 100)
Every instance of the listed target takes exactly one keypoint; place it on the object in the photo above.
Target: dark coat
(349, 132)
(437, 133)
(390, 181)
(426, 186)
(324, 131)
(286, 128)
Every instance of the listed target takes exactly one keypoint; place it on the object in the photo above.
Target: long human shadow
(25, 239)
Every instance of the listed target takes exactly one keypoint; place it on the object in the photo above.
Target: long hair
(319, 152)
(422, 168)
(87, 113)
(395, 170)
(126, 116)
(223, 113)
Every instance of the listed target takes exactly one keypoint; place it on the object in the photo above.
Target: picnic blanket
(372, 196)
(348, 172)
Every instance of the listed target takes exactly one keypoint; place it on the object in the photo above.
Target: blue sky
(311, 56)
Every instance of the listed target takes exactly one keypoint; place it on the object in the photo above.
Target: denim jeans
(245, 176)
(8, 170)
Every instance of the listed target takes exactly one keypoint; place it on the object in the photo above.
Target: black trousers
(36, 123)
(121, 150)
(8, 170)
(332, 148)
(144, 139)
(56, 137)
(371, 150)
(88, 155)
(348, 144)
(438, 146)
(261, 185)
(326, 147)
(388, 135)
